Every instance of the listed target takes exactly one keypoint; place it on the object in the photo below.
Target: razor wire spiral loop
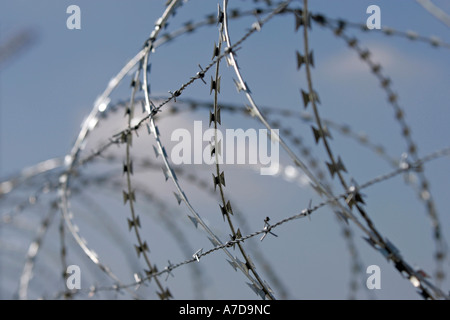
(305, 213)
(343, 204)
(385, 82)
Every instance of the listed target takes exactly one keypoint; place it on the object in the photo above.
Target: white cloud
(346, 64)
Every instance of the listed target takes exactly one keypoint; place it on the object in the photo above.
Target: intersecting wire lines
(337, 166)
(129, 195)
(32, 252)
(226, 108)
(100, 105)
(103, 104)
(273, 113)
(35, 261)
(303, 214)
(314, 165)
(165, 213)
(188, 28)
(13, 254)
(44, 173)
(10, 183)
(242, 86)
(305, 151)
(135, 163)
(169, 219)
(81, 184)
(25, 231)
(15, 45)
(219, 178)
(363, 186)
(89, 124)
(146, 195)
(85, 131)
(169, 172)
(38, 257)
(423, 191)
(139, 190)
(103, 101)
(99, 221)
(339, 27)
(149, 205)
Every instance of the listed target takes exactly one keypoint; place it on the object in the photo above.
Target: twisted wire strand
(424, 193)
(303, 214)
(87, 127)
(226, 208)
(336, 166)
(169, 172)
(73, 161)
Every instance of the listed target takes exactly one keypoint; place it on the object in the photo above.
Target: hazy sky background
(49, 88)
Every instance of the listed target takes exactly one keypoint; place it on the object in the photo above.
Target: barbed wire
(417, 278)
(61, 174)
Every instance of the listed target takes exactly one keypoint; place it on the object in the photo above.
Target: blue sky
(47, 90)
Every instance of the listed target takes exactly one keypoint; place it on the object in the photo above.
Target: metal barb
(267, 228)
(197, 254)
